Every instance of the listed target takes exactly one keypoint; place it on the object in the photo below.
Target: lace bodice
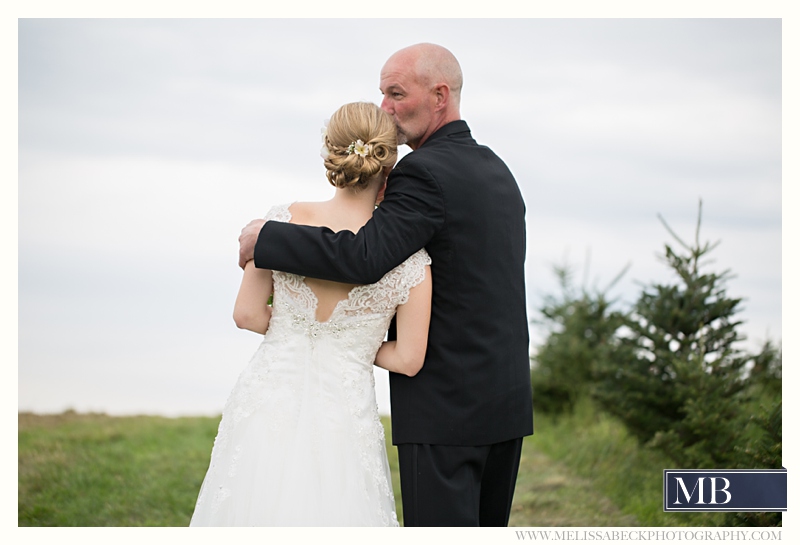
(311, 385)
(366, 307)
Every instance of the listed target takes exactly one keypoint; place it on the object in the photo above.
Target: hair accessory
(359, 148)
(324, 152)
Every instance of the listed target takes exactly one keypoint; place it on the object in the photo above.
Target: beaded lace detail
(338, 353)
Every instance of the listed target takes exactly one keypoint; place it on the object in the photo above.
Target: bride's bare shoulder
(305, 213)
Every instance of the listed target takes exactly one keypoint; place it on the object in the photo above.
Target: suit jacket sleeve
(411, 212)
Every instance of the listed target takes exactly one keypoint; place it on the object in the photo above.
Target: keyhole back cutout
(329, 295)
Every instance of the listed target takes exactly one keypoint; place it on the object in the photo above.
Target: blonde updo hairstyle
(359, 121)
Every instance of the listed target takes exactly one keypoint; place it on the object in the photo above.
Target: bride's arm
(407, 354)
(251, 310)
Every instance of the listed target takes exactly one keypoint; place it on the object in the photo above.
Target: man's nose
(385, 106)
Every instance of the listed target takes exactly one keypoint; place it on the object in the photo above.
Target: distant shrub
(582, 337)
(682, 385)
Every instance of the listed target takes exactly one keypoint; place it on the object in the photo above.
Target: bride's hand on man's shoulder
(247, 240)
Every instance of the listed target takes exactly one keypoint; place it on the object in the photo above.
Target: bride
(300, 442)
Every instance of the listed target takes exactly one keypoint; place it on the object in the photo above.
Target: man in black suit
(459, 423)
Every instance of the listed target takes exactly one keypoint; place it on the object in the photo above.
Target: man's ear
(442, 94)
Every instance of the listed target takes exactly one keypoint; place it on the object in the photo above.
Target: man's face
(408, 102)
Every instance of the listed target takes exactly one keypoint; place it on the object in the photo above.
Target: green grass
(594, 446)
(548, 493)
(97, 470)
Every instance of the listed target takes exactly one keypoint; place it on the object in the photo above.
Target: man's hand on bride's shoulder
(247, 240)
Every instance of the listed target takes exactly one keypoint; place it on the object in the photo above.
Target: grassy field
(97, 470)
(594, 447)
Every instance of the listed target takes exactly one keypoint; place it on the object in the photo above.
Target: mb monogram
(725, 490)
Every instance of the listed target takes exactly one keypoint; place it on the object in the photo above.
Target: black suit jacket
(459, 201)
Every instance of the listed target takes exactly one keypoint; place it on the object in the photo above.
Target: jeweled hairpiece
(359, 148)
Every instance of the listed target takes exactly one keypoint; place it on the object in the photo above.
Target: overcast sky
(146, 145)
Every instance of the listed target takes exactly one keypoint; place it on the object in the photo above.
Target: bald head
(421, 88)
(432, 65)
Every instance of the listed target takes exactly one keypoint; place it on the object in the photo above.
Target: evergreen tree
(767, 453)
(582, 329)
(766, 374)
(680, 385)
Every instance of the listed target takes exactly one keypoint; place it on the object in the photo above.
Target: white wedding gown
(300, 442)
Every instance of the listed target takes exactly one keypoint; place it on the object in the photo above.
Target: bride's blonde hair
(346, 163)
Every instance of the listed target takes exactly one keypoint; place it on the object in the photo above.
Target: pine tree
(582, 335)
(680, 385)
(766, 452)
